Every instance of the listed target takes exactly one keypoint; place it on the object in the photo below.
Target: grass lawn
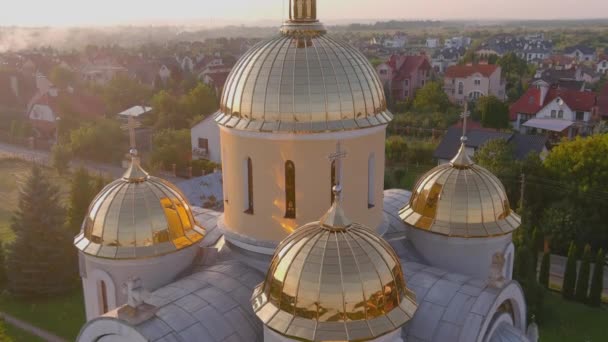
(19, 335)
(566, 321)
(13, 173)
(63, 316)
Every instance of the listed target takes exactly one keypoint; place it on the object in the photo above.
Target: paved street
(44, 157)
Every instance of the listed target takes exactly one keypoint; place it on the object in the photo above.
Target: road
(44, 157)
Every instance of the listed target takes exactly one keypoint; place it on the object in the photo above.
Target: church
(309, 246)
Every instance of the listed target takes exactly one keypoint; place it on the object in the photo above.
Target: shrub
(582, 284)
(570, 273)
(597, 282)
(545, 266)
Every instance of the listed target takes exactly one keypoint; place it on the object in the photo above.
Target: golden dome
(334, 280)
(460, 199)
(138, 216)
(303, 81)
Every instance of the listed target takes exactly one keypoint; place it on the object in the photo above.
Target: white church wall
(154, 273)
(467, 256)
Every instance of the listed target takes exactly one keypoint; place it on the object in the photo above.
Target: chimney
(544, 89)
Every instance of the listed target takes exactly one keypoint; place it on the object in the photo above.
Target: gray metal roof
(508, 333)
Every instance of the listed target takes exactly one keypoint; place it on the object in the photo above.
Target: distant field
(13, 173)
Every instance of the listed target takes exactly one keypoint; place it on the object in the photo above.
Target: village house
(446, 57)
(205, 137)
(556, 111)
(457, 42)
(397, 41)
(581, 53)
(403, 75)
(470, 82)
(602, 64)
(432, 43)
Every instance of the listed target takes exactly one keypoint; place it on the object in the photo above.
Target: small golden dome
(460, 199)
(136, 217)
(303, 81)
(334, 280)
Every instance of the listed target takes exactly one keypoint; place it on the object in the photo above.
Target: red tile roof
(409, 65)
(459, 71)
(529, 103)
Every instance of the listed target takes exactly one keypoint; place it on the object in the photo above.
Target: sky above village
(219, 12)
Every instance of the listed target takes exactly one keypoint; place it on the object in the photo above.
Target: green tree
(559, 224)
(396, 148)
(545, 266)
(570, 273)
(432, 98)
(597, 280)
(498, 157)
(582, 284)
(123, 92)
(60, 158)
(81, 196)
(493, 112)
(62, 77)
(3, 333)
(41, 260)
(102, 140)
(199, 102)
(172, 147)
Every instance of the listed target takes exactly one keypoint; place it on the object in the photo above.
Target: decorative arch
(509, 302)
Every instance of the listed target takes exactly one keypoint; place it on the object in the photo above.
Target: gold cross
(337, 157)
(131, 125)
(465, 114)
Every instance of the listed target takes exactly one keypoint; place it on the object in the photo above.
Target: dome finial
(134, 173)
(302, 10)
(465, 115)
(462, 159)
(335, 219)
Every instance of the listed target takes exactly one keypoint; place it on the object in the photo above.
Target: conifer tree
(582, 284)
(40, 262)
(81, 195)
(570, 273)
(545, 265)
(536, 238)
(597, 282)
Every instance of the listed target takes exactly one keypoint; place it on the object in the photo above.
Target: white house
(581, 53)
(432, 43)
(602, 65)
(205, 137)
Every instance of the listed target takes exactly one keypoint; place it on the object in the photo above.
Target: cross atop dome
(465, 115)
(337, 157)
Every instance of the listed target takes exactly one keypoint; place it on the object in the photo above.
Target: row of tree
(576, 279)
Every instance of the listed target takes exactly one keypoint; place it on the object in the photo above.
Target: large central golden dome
(138, 216)
(334, 280)
(303, 81)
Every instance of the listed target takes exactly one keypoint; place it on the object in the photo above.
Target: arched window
(290, 190)
(334, 181)
(103, 298)
(371, 189)
(248, 186)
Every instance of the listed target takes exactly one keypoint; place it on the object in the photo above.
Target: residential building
(403, 75)
(397, 41)
(205, 137)
(558, 62)
(446, 57)
(602, 64)
(457, 42)
(556, 111)
(477, 137)
(571, 78)
(470, 82)
(581, 53)
(432, 43)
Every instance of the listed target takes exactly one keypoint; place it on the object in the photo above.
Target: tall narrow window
(334, 181)
(248, 186)
(371, 189)
(290, 190)
(103, 297)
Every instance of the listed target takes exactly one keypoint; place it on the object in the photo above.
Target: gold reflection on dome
(334, 280)
(303, 81)
(460, 199)
(136, 217)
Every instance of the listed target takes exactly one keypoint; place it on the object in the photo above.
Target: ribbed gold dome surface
(303, 81)
(460, 199)
(334, 281)
(136, 217)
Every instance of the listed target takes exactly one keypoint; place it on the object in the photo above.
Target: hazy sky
(107, 12)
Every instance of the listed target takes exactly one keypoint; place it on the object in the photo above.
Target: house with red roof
(560, 112)
(403, 75)
(472, 81)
